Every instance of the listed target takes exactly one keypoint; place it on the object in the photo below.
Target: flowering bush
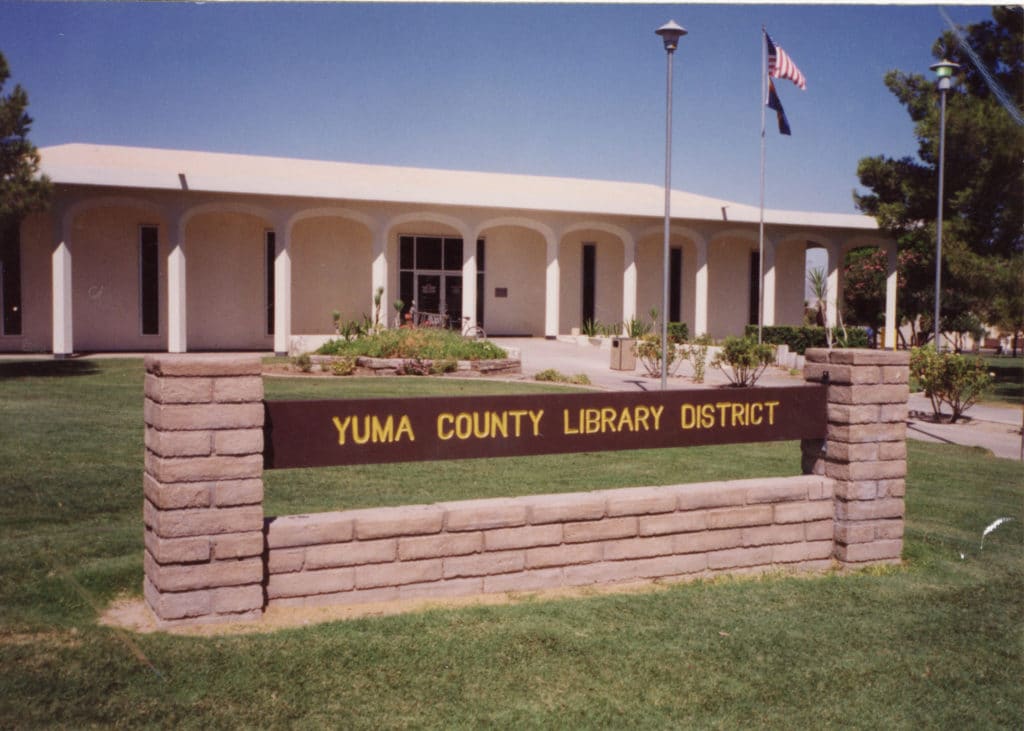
(949, 378)
(746, 358)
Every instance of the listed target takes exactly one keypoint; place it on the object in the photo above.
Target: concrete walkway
(996, 427)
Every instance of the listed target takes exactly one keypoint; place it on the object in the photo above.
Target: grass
(1008, 385)
(936, 643)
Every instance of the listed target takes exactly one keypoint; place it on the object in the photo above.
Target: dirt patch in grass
(133, 614)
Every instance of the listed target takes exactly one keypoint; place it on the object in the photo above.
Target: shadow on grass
(47, 368)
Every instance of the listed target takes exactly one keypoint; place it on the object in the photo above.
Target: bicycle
(472, 331)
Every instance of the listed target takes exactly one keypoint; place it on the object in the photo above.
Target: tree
(983, 222)
(22, 189)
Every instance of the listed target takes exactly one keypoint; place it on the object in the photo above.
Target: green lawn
(1008, 383)
(935, 644)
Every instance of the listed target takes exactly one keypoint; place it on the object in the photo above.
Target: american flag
(781, 66)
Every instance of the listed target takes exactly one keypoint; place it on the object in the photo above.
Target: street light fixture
(944, 70)
(670, 34)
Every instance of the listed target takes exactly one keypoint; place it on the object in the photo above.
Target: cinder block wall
(549, 541)
(210, 555)
(203, 487)
(865, 450)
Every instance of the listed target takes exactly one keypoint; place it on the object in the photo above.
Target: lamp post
(944, 71)
(670, 34)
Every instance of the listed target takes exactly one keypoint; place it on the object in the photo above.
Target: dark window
(407, 256)
(589, 280)
(480, 249)
(453, 255)
(149, 279)
(10, 279)
(755, 287)
(271, 255)
(428, 253)
(406, 280)
(675, 285)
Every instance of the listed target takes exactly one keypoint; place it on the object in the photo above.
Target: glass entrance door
(453, 300)
(428, 293)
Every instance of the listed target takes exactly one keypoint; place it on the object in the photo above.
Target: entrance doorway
(430, 274)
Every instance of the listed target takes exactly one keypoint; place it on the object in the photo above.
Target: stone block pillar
(865, 450)
(203, 487)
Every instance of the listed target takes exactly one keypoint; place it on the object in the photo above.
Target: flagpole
(760, 238)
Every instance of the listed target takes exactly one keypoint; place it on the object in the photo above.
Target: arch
(334, 212)
(248, 209)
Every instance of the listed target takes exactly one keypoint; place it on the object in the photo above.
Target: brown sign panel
(366, 431)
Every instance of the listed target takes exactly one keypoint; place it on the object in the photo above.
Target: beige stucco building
(169, 250)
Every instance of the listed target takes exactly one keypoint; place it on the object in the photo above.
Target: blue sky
(565, 90)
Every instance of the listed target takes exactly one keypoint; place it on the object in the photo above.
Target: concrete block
(178, 390)
(574, 553)
(185, 577)
(565, 508)
(396, 574)
(179, 443)
(523, 537)
(400, 521)
(638, 548)
(237, 545)
(307, 583)
(175, 496)
(352, 553)
(712, 540)
(687, 522)
(238, 441)
(202, 521)
(735, 517)
(439, 546)
(763, 535)
(238, 492)
(467, 515)
(740, 557)
(639, 501)
(482, 564)
(600, 530)
(238, 389)
(536, 580)
(189, 364)
(309, 530)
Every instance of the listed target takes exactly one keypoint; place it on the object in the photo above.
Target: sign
(366, 431)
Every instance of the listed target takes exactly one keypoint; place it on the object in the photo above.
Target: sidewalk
(995, 427)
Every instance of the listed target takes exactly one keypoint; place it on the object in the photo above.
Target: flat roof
(152, 168)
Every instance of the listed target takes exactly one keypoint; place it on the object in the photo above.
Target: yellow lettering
(341, 426)
(383, 432)
(738, 415)
(499, 425)
(444, 432)
(771, 410)
(365, 436)
(756, 414)
(405, 427)
(591, 420)
(656, 412)
(625, 421)
(607, 419)
(535, 417)
(566, 427)
(688, 416)
(641, 414)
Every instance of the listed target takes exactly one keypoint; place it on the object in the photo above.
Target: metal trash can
(623, 358)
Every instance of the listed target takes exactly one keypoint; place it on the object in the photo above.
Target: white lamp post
(944, 71)
(670, 34)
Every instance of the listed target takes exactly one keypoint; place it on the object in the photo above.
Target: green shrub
(637, 328)
(303, 362)
(590, 328)
(553, 376)
(746, 360)
(423, 343)
(648, 351)
(697, 353)
(800, 338)
(343, 366)
(949, 378)
(678, 332)
(444, 365)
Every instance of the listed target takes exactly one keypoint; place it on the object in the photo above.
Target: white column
(379, 271)
(891, 323)
(63, 336)
(768, 296)
(834, 263)
(700, 289)
(629, 279)
(177, 302)
(469, 293)
(282, 288)
(552, 290)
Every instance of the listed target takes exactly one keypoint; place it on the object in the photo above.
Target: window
(589, 281)
(755, 288)
(430, 274)
(10, 279)
(271, 253)
(149, 280)
(675, 285)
